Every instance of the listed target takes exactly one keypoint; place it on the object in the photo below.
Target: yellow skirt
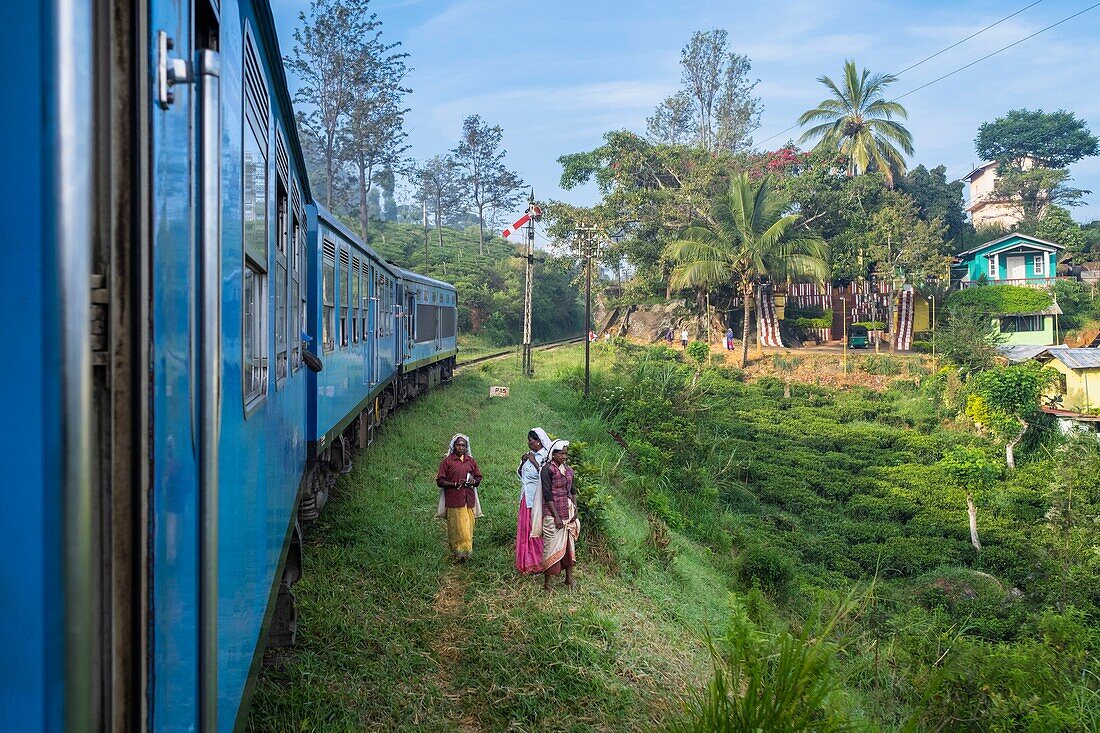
(460, 530)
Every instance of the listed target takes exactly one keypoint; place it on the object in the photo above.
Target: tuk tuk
(857, 337)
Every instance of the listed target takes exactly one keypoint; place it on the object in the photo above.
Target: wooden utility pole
(588, 240)
(528, 286)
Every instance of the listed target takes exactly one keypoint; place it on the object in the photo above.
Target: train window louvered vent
(295, 197)
(280, 157)
(255, 87)
(330, 249)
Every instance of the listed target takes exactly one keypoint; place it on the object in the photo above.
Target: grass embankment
(395, 637)
(709, 485)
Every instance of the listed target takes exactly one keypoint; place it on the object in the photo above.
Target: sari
(529, 513)
(559, 543)
(461, 517)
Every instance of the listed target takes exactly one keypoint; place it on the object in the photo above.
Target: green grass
(395, 637)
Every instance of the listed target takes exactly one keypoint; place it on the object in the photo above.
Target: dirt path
(449, 606)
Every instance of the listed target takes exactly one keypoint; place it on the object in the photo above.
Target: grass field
(395, 637)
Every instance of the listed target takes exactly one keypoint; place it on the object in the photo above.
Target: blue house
(1020, 260)
(1014, 259)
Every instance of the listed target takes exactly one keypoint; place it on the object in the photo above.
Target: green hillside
(490, 285)
(816, 538)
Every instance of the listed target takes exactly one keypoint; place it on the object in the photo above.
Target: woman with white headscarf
(457, 479)
(529, 516)
(560, 525)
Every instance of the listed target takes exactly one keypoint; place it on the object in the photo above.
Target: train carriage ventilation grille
(329, 249)
(281, 159)
(255, 87)
(295, 198)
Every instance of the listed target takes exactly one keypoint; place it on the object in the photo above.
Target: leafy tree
(902, 244)
(1051, 139)
(327, 49)
(715, 108)
(1030, 191)
(439, 187)
(1006, 399)
(859, 122)
(937, 199)
(374, 136)
(673, 121)
(746, 238)
(969, 339)
(1074, 500)
(1059, 227)
(969, 469)
(485, 180)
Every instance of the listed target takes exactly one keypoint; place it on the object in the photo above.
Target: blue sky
(557, 75)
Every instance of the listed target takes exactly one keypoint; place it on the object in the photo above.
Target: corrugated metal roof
(1077, 358)
(1017, 353)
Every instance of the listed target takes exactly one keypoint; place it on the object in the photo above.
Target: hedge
(1001, 299)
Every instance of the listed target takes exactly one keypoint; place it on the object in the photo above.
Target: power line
(999, 50)
(959, 43)
(953, 45)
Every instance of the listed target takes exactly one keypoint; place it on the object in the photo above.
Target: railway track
(548, 346)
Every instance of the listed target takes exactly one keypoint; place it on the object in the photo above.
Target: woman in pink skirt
(529, 520)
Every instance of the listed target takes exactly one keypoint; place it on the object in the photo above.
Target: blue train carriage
(157, 268)
(354, 314)
(428, 333)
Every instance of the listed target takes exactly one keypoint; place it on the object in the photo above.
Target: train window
(281, 233)
(344, 288)
(255, 333)
(355, 299)
(295, 294)
(366, 298)
(447, 323)
(427, 319)
(328, 296)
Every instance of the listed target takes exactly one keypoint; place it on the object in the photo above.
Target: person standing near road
(560, 525)
(529, 517)
(729, 339)
(684, 337)
(458, 478)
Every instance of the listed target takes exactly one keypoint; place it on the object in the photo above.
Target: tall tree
(937, 199)
(747, 238)
(858, 121)
(1031, 190)
(1050, 139)
(485, 179)
(715, 107)
(386, 181)
(439, 187)
(327, 47)
(374, 135)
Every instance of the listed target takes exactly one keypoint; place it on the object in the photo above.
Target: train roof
(265, 27)
(332, 221)
(423, 279)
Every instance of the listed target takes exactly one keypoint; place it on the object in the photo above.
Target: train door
(375, 367)
(185, 358)
(410, 323)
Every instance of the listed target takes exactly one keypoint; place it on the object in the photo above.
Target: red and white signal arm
(532, 213)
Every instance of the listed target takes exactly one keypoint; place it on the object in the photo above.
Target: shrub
(999, 299)
(922, 347)
(766, 568)
(881, 364)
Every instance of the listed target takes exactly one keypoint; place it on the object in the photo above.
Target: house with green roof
(1014, 259)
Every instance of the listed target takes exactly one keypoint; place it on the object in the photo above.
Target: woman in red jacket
(457, 479)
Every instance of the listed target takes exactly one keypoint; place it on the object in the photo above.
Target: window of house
(1039, 266)
(992, 268)
(1021, 324)
(328, 296)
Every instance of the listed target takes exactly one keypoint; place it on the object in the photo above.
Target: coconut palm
(858, 121)
(746, 239)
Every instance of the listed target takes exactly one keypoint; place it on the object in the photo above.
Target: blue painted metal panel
(175, 482)
(31, 680)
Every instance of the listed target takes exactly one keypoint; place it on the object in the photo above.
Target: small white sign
(498, 391)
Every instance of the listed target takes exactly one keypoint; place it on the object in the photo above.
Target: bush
(766, 568)
(999, 299)
(880, 364)
(922, 347)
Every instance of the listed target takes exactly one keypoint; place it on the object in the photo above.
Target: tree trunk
(328, 172)
(893, 329)
(1010, 447)
(746, 294)
(972, 510)
(439, 226)
(481, 229)
(364, 207)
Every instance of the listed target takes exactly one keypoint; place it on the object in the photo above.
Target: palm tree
(858, 121)
(745, 239)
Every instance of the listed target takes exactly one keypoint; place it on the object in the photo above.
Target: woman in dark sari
(560, 525)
